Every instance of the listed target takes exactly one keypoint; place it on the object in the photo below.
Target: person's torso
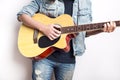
(62, 56)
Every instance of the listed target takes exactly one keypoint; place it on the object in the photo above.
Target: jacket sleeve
(30, 9)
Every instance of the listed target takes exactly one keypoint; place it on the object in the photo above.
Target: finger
(55, 35)
(105, 28)
(52, 37)
(113, 24)
(57, 32)
(57, 29)
(109, 27)
(57, 26)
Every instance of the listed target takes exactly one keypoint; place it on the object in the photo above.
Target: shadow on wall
(24, 62)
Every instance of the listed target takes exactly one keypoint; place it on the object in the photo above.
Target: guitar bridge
(35, 35)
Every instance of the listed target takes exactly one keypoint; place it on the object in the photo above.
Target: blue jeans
(43, 70)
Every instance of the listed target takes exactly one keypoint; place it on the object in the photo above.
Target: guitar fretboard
(85, 27)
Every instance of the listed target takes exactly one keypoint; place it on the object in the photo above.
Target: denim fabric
(81, 15)
(43, 69)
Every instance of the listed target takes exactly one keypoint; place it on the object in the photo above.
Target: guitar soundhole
(46, 42)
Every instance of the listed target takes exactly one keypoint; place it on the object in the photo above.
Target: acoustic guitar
(33, 43)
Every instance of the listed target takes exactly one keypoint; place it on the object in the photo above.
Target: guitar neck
(85, 27)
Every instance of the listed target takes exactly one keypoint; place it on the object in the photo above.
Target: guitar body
(30, 49)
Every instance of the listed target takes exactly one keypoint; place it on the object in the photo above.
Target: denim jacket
(81, 15)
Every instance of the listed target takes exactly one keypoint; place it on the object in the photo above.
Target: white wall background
(101, 61)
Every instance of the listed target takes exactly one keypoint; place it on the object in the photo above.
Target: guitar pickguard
(44, 41)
